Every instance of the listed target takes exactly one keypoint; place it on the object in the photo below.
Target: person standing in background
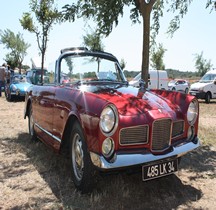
(2, 77)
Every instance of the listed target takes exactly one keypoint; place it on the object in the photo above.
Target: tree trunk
(145, 52)
(42, 66)
(145, 9)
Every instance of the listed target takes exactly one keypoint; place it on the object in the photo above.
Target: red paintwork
(53, 105)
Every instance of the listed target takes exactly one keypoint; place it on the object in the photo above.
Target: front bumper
(18, 93)
(199, 95)
(125, 160)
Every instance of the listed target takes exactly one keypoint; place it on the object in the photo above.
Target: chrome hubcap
(77, 156)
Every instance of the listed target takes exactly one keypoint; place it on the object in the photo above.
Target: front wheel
(207, 97)
(31, 124)
(82, 169)
(8, 96)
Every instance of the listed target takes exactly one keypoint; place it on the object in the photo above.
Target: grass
(207, 123)
(34, 177)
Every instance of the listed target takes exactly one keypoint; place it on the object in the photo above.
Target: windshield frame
(104, 56)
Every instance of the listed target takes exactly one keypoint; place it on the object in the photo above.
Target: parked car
(158, 79)
(104, 124)
(34, 75)
(206, 87)
(179, 85)
(16, 87)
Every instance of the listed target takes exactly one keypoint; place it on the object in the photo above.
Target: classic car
(16, 87)
(103, 124)
(179, 85)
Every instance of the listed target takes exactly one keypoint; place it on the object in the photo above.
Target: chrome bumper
(123, 160)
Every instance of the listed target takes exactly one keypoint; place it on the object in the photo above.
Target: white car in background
(206, 87)
(179, 85)
(158, 79)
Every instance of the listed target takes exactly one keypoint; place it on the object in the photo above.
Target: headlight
(201, 89)
(14, 88)
(190, 133)
(107, 147)
(192, 112)
(109, 120)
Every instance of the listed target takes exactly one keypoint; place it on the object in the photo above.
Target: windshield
(89, 68)
(208, 78)
(172, 82)
(19, 79)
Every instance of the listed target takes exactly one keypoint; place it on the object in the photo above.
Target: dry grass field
(32, 176)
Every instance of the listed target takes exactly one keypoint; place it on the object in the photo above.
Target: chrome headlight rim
(110, 111)
(108, 147)
(14, 88)
(191, 133)
(192, 112)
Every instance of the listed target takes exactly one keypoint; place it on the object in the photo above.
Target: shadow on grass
(116, 191)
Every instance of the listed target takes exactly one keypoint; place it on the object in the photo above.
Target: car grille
(134, 135)
(161, 134)
(178, 128)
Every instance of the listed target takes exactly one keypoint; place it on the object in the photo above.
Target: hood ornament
(142, 88)
(142, 85)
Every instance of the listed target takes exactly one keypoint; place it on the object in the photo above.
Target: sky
(197, 34)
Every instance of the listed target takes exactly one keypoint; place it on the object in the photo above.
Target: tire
(8, 96)
(31, 125)
(208, 97)
(83, 172)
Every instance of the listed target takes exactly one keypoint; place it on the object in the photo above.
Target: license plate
(159, 169)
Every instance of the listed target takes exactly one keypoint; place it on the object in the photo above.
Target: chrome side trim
(48, 133)
(122, 160)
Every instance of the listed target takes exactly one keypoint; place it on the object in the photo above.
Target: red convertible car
(105, 124)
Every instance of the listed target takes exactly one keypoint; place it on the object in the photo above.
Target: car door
(63, 105)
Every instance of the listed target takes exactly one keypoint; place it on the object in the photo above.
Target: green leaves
(16, 45)
(27, 22)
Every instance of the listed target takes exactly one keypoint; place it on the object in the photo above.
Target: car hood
(132, 101)
(22, 86)
(198, 85)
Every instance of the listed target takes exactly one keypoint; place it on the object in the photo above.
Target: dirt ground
(32, 176)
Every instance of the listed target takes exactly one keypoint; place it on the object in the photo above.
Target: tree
(157, 58)
(212, 4)
(122, 63)
(93, 42)
(107, 13)
(17, 46)
(201, 64)
(46, 15)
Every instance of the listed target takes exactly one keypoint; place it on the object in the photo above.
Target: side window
(66, 70)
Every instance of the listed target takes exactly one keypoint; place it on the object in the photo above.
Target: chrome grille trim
(178, 128)
(161, 134)
(134, 135)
